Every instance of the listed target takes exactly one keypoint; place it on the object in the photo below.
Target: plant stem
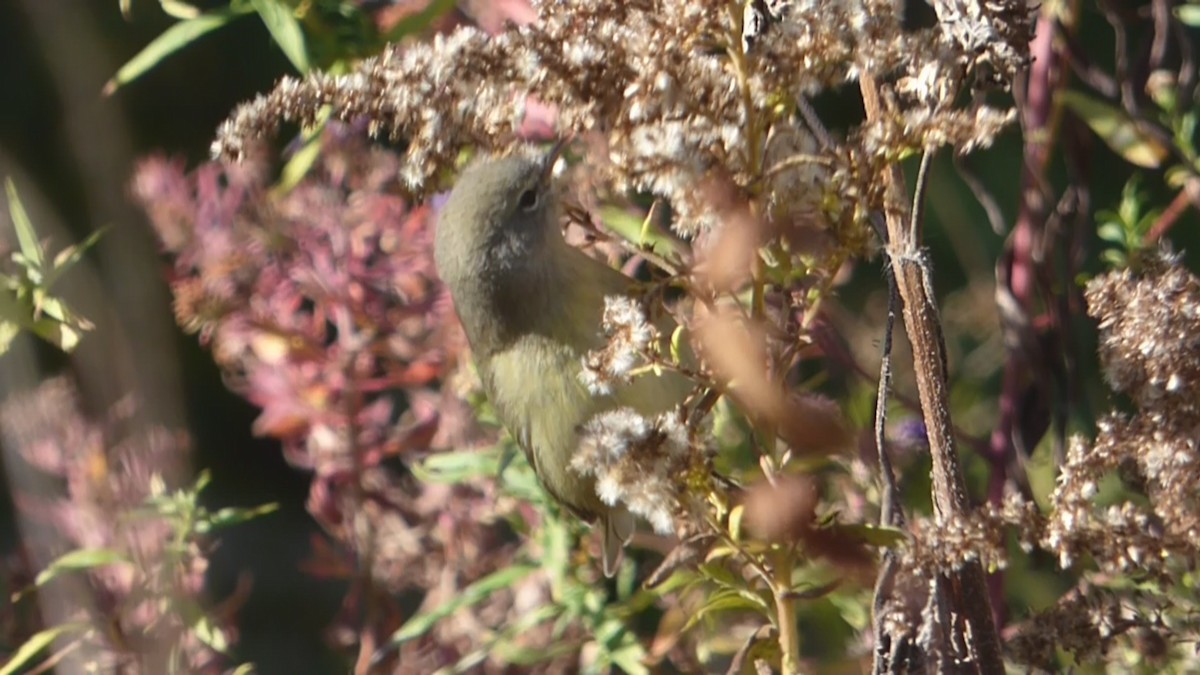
(785, 611)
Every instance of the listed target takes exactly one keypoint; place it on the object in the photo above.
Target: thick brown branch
(972, 637)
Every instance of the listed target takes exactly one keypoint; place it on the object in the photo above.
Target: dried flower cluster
(1091, 619)
(629, 335)
(1149, 337)
(1150, 333)
(91, 496)
(951, 542)
(638, 462)
(673, 93)
(671, 98)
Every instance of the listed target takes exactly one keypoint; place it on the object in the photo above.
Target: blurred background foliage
(89, 88)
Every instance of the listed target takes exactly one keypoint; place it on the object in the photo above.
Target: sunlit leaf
(170, 41)
(1189, 14)
(78, 560)
(305, 158)
(178, 9)
(457, 467)
(27, 240)
(1117, 130)
(629, 659)
(635, 230)
(419, 21)
(285, 30)
(211, 634)
(27, 652)
(735, 521)
(233, 516)
(70, 256)
(723, 601)
(476, 592)
(65, 336)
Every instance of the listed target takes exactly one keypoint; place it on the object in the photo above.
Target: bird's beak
(551, 158)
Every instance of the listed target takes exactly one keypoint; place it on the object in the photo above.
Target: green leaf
(211, 634)
(637, 230)
(27, 240)
(1189, 14)
(735, 522)
(65, 336)
(419, 21)
(505, 647)
(724, 601)
(421, 623)
(285, 29)
(179, 9)
(170, 41)
(1117, 130)
(232, 516)
(303, 160)
(35, 644)
(1111, 232)
(80, 559)
(457, 467)
(629, 659)
(8, 332)
(70, 256)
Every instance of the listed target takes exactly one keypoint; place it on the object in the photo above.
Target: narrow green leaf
(636, 231)
(285, 29)
(735, 522)
(80, 559)
(65, 336)
(1189, 14)
(70, 256)
(35, 644)
(170, 41)
(415, 23)
(419, 624)
(179, 9)
(8, 332)
(211, 634)
(305, 158)
(629, 659)
(1117, 130)
(26, 235)
(722, 601)
(1111, 232)
(233, 516)
(456, 467)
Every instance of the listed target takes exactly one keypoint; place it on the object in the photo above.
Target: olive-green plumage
(531, 306)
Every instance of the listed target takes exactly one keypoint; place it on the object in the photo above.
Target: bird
(531, 306)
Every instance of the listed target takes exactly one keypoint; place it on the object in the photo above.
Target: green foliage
(26, 301)
(1119, 131)
(329, 34)
(188, 522)
(1126, 227)
(577, 601)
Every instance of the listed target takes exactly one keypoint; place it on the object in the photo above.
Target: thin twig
(991, 208)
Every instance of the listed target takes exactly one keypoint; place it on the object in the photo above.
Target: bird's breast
(535, 389)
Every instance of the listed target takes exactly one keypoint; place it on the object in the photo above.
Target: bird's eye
(528, 200)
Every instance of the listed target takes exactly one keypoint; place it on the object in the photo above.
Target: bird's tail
(618, 529)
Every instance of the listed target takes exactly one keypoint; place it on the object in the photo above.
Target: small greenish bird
(531, 306)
